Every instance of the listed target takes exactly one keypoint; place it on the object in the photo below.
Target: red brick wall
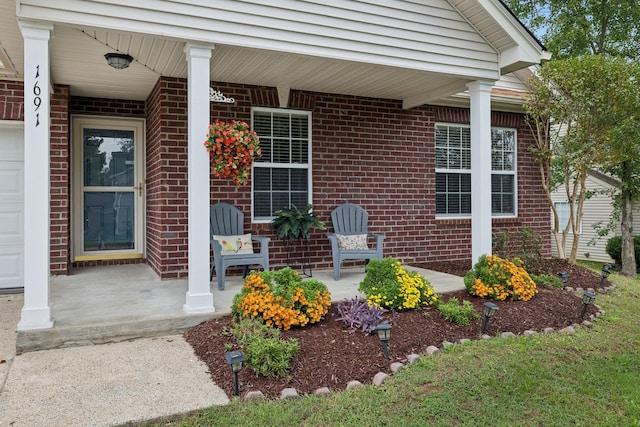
(11, 100)
(167, 191)
(106, 107)
(60, 196)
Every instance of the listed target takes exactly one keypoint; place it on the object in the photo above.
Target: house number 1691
(37, 101)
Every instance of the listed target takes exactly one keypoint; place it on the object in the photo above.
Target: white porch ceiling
(77, 60)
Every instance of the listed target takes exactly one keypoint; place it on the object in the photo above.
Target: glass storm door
(109, 188)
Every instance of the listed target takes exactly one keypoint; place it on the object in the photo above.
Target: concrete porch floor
(99, 305)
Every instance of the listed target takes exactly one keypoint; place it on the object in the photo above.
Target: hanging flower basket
(232, 148)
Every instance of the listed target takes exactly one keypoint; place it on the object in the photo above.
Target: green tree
(593, 102)
(572, 28)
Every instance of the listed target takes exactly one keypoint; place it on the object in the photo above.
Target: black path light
(489, 310)
(384, 333)
(564, 276)
(235, 359)
(587, 298)
(606, 271)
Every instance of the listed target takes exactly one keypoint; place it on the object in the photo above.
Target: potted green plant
(293, 223)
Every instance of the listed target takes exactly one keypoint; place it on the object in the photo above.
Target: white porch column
(480, 92)
(36, 312)
(199, 297)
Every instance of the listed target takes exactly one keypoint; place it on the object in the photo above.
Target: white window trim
(307, 166)
(514, 173)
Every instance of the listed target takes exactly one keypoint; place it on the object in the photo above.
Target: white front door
(108, 188)
(11, 205)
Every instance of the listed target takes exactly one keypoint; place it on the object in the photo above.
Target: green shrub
(271, 356)
(525, 244)
(614, 248)
(499, 278)
(460, 314)
(282, 299)
(547, 279)
(388, 285)
(266, 352)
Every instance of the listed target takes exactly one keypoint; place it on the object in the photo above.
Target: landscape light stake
(489, 310)
(235, 359)
(587, 298)
(606, 271)
(564, 276)
(384, 333)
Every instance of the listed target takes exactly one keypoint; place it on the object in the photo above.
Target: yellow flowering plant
(282, 299)
(387, 284)
(499, 278)
(232, 148)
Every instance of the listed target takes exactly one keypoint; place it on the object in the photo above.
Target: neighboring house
(411, 109)
(597, 211)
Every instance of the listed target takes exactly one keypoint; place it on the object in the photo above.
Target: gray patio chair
(349, 240)
(228, 221)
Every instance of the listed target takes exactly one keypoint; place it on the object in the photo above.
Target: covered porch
(116, 303)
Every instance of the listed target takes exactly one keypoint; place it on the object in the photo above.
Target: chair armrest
(379, 243)
(264, 243)
(334, 242)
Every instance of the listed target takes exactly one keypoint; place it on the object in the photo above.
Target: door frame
(138, 126)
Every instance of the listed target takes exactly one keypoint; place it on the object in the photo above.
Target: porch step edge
(82, 335)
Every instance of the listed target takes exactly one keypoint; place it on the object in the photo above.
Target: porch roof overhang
(408, 51)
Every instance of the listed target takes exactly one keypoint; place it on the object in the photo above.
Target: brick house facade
(366, 151)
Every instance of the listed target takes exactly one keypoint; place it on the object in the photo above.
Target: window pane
(299, 127)
(454, 137)
(299, 179)
(299, 152)
(441, 157)
(108, 158)
(502, 194)
(281, 126)
(267, 151)
(280, 179)
(108, 221)
(262, 204)
(261, 179)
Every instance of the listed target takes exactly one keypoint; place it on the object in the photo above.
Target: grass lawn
(590, 378)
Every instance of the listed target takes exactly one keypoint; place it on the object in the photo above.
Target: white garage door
(11, 206)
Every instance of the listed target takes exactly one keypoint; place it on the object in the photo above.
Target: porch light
(117, 60)
(587, 298)
(606, 271)
(384, 333)
(564, 276)
(489, 310)
(235, 359)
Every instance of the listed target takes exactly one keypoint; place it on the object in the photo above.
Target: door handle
(140, 188)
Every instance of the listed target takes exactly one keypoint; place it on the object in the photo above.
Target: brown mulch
(331, 355)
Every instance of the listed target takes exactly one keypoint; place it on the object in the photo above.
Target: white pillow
(352, 241)
(231, 245)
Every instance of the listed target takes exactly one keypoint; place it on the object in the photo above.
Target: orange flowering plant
(232, 148)
(499, 278)
(282, 299)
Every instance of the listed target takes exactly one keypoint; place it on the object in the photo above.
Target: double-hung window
(282, 176)
(453, 171)
(503, 172)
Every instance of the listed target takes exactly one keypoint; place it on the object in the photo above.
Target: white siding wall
(396, 33)
(597, 209)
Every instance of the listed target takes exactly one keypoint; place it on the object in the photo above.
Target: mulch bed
(331, 355)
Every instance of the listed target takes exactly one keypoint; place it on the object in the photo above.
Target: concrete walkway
(82, 384)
